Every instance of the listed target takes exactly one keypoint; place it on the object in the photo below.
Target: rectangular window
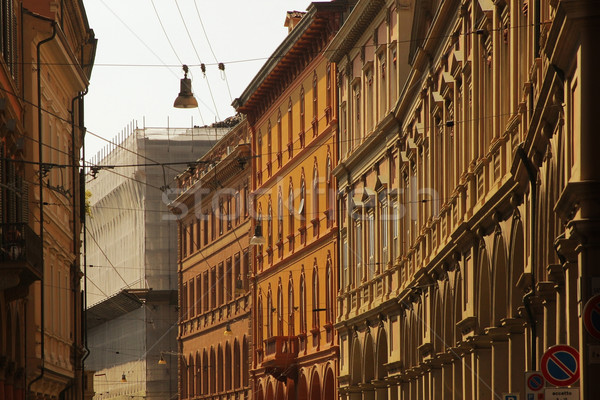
(221, 285)
(213, 287)
(213, 232)
(395, 222)
(345, 277)
(205, 290)
(192, 299)
(245, 269)
(205, 228)
(184, 301)
(371, 244)
(237, 275)
(358, 255)
(198, 295)
(385, 220)
(198, 226)
(228, 280)
(184, 247)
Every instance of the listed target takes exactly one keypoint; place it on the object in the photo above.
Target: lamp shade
(186, 98)
(258, 238)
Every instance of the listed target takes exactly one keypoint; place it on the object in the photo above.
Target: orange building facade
(214, 299)
(292, 114)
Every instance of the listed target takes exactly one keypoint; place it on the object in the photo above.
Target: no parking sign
(560, 365)
(591, 316)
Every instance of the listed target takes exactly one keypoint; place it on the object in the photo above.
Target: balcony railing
(280, 356)
(280, 351)
(20, 251)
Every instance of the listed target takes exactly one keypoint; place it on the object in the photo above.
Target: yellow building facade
(466, 178)
(291, 109)
(47, 53)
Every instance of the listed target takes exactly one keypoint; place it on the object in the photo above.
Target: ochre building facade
(468, 194)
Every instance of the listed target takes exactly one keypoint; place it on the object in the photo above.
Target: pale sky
(136, 73)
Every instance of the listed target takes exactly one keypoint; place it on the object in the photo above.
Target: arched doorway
(381, 361)
(315, 387)
(329, 385)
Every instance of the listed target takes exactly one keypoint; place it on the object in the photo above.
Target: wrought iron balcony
(281, 353)
(20, 253)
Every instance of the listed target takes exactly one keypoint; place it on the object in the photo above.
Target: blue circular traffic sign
(560, 365)
(535, 382)
(591, 316)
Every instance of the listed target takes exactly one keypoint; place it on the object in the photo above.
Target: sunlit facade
(213, 352)
(46, 56)
(466, 177)
(291, 109)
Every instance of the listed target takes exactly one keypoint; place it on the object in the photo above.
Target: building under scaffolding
(131, 258)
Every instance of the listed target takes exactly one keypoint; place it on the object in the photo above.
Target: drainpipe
(76, 181)
(40, 164)
(532, 174)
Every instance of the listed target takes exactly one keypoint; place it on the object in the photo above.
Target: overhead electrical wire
(244, 60)
(220, 65)
(199, 60)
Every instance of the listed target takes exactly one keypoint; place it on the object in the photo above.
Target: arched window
(198, 373)
(291, 305)
(290, 130)
(302, 303)
(237, 365)
(291, 216)
(184, 378)
(315, 103)
(279, 309)
(302, 208)
(315, 97)
(280, 222)
(213, 370)
(228, 366)
(269, 313)
(260, 323)
(220, 369)
(191, 373)
(330, 191)
(259, 251)
(204, 372)
(270, 230)
(328, 94)
(315, 297)
(279, 139)
(302, 116)
(259, 166)
(329, 291)
(246, 360)
(315, 200)
(269, 149)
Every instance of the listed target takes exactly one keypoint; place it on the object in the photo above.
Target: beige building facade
(468, 194)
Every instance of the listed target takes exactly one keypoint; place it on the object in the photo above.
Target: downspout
(532, 174)
(81, 200)
(41, 193)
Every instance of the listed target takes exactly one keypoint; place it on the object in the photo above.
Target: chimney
(292, 18)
